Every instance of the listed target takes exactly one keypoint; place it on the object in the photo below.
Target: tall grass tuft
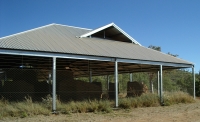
(22, 109)
(171, 98)
(29, 108)
(145, 100)
(150, 100)
(105, 106)
(85, 106)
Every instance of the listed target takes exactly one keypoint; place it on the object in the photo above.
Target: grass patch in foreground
(171, 98)
(145, 100)
(29, 108)
(85, 106)
(22, 109)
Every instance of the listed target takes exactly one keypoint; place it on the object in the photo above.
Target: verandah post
(54, 86)
(116, 83)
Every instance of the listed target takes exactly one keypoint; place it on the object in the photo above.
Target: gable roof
(115, 32)
(55, 38)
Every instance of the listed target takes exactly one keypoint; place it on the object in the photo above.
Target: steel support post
(108, 80)
(54, 86)
(1, 81)
(131, 77)
(158, 81)
(116, 84)
(90, 72)
(50, 82)
(161, 87)
(194, 92)
(90, 76)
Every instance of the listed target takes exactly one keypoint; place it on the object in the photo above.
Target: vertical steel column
(1, 81)
(5, 77)
(158, 75)
(54, 86)
(131, 77)
(90, 76)
(50, 82)
(161, 87)
(116, 84)
(193, 72)
(108, 80)
(90, 72)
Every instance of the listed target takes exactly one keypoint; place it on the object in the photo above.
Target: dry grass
(85, 106)
(22, 109)
(152, 100)
(171, 98)
(29, 108)
(146, 100)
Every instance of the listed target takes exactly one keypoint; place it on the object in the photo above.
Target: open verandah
(54, 68)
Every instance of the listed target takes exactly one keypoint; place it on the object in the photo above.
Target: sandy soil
(175, 113)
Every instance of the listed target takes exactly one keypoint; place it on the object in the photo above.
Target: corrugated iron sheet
(65, 39)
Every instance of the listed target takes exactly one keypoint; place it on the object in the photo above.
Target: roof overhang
(86, 57)
(79, 63)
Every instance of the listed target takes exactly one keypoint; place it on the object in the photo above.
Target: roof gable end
(112, 32)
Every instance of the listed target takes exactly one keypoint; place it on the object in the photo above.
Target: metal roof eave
(136, 61)
(107, 26)
(88, 57)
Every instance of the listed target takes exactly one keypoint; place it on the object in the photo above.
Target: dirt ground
(175, 113)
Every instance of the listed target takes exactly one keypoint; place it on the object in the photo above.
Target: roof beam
(87, 57)
(58, 55)
(154, 63)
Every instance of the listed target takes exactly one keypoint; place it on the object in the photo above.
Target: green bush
(197, 88)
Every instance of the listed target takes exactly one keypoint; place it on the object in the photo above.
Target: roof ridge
(27, 31)
(41, 28)
(73, 26)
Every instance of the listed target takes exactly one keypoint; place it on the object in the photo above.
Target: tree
(158, 48)
(175, 55)
(151, 74)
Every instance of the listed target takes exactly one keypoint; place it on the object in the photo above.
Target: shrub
(171, 98)
(145, 100)
(125, 103)
(104, 106)
(149, 100)
(197, 88)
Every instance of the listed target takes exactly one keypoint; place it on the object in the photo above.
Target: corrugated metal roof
(65, 39)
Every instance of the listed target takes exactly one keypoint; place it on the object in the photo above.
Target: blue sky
(174, 25)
